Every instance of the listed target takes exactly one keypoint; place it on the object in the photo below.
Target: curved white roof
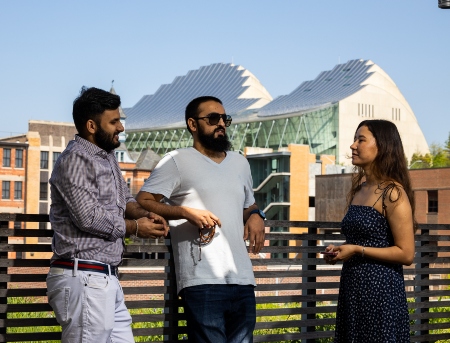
(328, 87)
(238, 89)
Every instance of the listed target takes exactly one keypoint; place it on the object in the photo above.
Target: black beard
(219, 144)
(104, 140)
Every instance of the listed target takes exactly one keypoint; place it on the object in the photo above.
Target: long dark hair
(390, 163)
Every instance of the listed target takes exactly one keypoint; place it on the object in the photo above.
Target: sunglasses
(214, 118)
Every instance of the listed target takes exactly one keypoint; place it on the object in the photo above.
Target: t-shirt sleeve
(164, 179)
(248, 187)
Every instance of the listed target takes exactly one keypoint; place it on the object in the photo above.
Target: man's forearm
(167, 211)
(151, 202)
(135, 211)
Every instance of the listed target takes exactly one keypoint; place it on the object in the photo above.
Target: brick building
(431, 189)
(13, 154)
(432, 192)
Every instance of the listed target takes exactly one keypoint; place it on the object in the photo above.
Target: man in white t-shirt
(206, 193)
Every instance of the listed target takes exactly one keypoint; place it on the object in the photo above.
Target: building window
(55, 158)
(5, 189)
(17, 190)
(43, 191)
(44, 159)
(6, 157)
(432, 201)
(120, 156)
(19, 158)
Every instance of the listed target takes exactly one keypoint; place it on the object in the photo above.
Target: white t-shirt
(185, 177)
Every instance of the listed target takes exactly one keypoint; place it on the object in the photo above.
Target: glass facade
(318, 129)
(271, 177)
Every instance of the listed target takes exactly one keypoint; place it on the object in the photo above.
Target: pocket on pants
(59, 301)
(99, 307)
(97, 281)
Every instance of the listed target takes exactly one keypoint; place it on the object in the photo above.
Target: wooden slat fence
(296, 295)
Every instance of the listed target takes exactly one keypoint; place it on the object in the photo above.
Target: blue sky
(49, 49)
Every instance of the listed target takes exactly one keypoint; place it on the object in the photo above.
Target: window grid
(44, 159)
(19, 158)
(6, 189)
(6, 157)
(43, 191)
(18, 190)
(433, 201)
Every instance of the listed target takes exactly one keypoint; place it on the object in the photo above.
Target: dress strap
(377, 200)
(385, 191)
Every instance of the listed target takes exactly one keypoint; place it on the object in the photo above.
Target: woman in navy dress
(379, 229)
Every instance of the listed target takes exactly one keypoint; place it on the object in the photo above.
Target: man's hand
(201, 218)
(152, 228)
(254, 231)
(159, 220)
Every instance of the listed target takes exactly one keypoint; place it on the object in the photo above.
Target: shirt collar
(92, 148)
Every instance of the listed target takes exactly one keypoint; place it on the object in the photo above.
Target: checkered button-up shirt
(89, 197)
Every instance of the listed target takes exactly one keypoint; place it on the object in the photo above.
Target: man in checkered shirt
(92, 211)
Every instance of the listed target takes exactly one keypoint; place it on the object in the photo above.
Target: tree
(438, 157)
(447, 146)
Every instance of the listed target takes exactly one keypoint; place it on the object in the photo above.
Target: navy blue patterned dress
(372, 303)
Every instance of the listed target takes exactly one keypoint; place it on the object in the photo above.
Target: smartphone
(330, 253)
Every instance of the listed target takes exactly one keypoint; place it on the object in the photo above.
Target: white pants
(89, 306)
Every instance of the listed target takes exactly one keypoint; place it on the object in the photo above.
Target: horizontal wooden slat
(35, 336)
(24, 263)
(19, 217)
(26, 247)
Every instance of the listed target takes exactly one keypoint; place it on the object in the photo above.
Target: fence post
(420, 288)
(306, 266)
(4, 285)
(171, 296)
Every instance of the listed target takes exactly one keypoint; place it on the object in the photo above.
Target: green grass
(261, 332)
(285, 318)
(30, 329)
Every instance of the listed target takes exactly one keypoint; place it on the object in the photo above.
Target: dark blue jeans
(220, 313)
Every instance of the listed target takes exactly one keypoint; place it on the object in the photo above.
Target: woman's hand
(329, 258)
(343, 252)
(346, 251)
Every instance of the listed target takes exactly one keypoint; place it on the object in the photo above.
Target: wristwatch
(261, 213)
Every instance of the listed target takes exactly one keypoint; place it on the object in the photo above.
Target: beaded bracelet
(137, 227)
